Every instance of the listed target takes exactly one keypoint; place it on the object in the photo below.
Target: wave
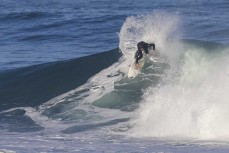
(34, 85)
(95, 90)
(181, 95)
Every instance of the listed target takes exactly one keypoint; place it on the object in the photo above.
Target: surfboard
(133, 72)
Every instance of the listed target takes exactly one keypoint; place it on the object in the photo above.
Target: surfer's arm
(152, 45)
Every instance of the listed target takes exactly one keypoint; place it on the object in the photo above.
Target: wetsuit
(145, 46)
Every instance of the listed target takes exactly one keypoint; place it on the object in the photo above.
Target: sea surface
(64, 85)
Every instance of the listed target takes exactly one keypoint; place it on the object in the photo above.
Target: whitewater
(192, 100)
(179, 102)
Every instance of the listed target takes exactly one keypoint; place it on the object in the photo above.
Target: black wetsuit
(145, 46)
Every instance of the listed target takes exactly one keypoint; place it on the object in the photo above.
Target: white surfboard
(133, 71)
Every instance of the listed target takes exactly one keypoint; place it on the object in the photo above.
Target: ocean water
(64, 85)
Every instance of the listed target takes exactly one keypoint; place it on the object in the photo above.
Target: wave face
(32, 86)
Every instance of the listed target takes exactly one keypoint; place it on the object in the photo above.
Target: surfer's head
(142, 46)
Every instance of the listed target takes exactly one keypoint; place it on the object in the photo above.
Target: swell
(17, 16)
(34, 85)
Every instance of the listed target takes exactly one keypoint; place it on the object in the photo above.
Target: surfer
(142, 47)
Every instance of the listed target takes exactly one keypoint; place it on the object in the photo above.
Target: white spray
(193, 101)
(149, 28)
